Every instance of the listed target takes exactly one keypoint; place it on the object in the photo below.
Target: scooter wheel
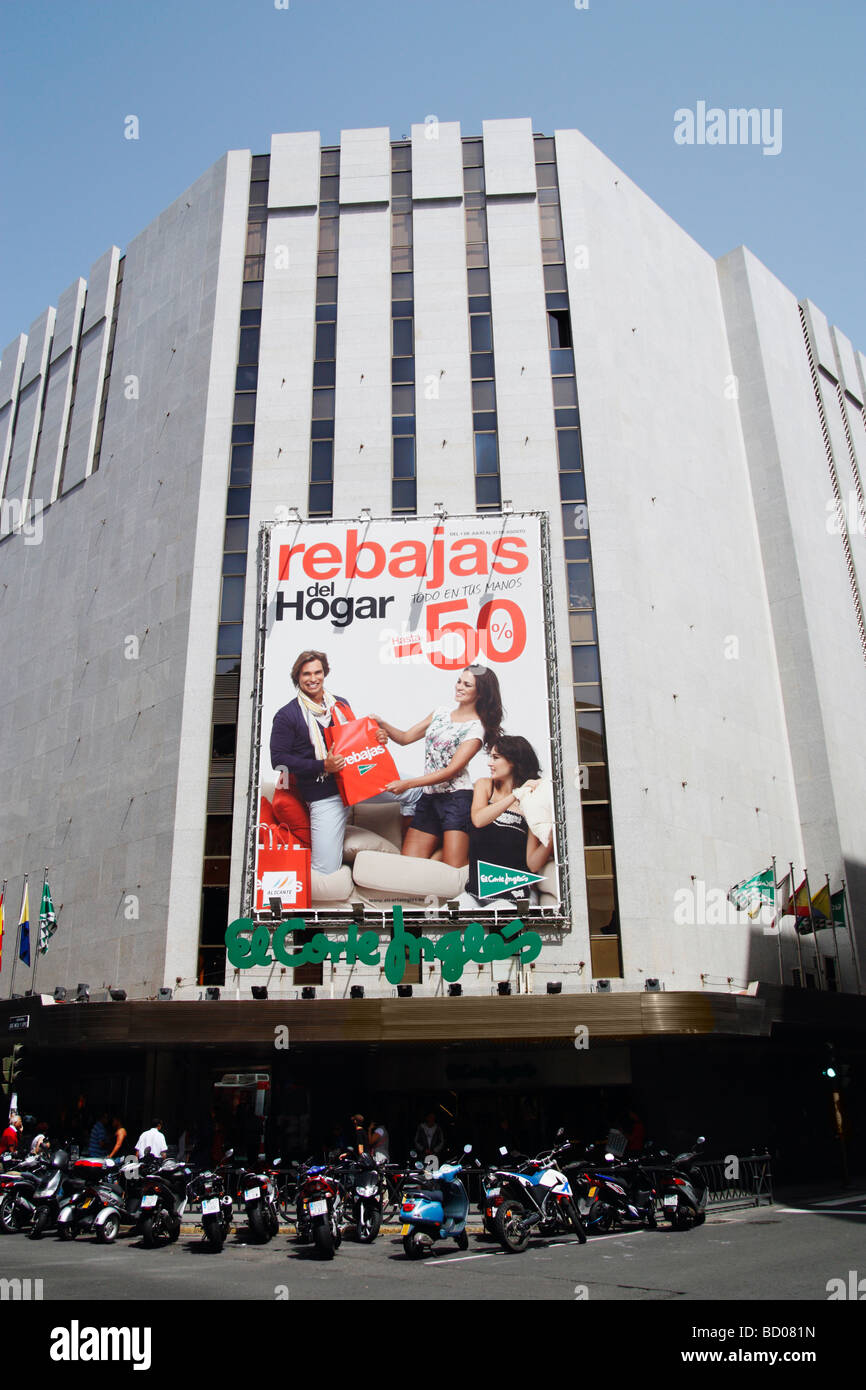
(368, 1225)
(174, 1232)
(38, 1224)
(106, 1234)
(683, 1219)
(10, 1221)
(67, 1231)
(414, 1245)
(462, 1241)
(155, 1230)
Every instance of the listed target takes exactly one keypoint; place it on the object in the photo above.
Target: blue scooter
(435, 1207)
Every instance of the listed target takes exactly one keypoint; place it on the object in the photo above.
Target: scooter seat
(426, 1194)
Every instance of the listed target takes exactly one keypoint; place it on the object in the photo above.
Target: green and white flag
(47, 919)
(750, 895)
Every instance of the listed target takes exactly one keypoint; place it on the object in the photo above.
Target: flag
(750, 895)
(2, 896)
(24, 927)
(811, 915)
(47, 919)
(822, 910)
(837, 906)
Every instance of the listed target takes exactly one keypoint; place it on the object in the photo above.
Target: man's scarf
(318, 717)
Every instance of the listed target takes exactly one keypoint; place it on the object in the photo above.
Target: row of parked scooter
(568, 1188)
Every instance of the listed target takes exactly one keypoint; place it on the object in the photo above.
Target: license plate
(210, 1206)
(149, 1201)
(670, 1201)
(252, 1193)
(493, 1192)
(318, 1208)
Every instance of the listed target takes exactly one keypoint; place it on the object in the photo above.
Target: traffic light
(17, 1066)
(7, 1074)
(830, 1070)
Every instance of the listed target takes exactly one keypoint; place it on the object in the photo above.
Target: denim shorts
(434, 814)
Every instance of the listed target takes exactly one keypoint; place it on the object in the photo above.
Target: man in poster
(298, 744)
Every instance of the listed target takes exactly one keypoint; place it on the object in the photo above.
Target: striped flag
(47, 919)
(24, 926)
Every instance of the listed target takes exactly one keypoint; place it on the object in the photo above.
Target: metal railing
(735, 1181)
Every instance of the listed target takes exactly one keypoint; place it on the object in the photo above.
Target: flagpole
(39, 938)
(796, 929)
(777, 923)
(2, 918)
(814, 930)
(18, 938)
(850, 921)
(833, 929)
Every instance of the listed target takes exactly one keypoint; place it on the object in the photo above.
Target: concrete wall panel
(365, 166)
(437, 160)
(294, 170)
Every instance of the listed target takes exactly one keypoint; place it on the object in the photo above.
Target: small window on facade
(481, 332)
(402, 338)
(559, 328)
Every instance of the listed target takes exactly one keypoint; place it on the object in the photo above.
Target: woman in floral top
(451, 740)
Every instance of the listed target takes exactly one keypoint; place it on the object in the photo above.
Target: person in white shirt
(40, 1141)
(378, 1137)
(152, 1139)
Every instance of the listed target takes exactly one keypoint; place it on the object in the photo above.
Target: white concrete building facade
(476, 322)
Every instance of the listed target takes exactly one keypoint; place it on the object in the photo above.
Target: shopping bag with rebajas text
(369, 766)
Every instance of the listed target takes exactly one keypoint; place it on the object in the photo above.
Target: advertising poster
(417, 618)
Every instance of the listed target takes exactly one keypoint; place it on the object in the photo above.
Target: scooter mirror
(560, 1133)
(277, 1162)
(413, 1153)
(419, 1165)
(467, 1148)
(503, 1150)
(227, 1155)
(700, 1139)
(609, 1158)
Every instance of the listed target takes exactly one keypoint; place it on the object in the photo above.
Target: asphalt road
(782, 1252)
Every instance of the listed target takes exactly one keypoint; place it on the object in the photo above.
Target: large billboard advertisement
(403, 723)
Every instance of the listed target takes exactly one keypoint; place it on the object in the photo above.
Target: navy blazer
(291, 747)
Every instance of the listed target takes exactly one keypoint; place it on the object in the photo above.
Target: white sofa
(375, 873)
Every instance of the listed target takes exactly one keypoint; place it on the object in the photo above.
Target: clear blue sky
(204, 76)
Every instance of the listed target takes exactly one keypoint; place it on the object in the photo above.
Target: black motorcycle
(217, 1208)
(613, 1191)
(162, 1201)
(683, 1188)
(258, 1194)
(362, 1196)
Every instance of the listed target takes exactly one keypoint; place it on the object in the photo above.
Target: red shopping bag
(369, 766)
(282, 871)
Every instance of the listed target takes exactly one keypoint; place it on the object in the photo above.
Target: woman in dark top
(499, 834)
